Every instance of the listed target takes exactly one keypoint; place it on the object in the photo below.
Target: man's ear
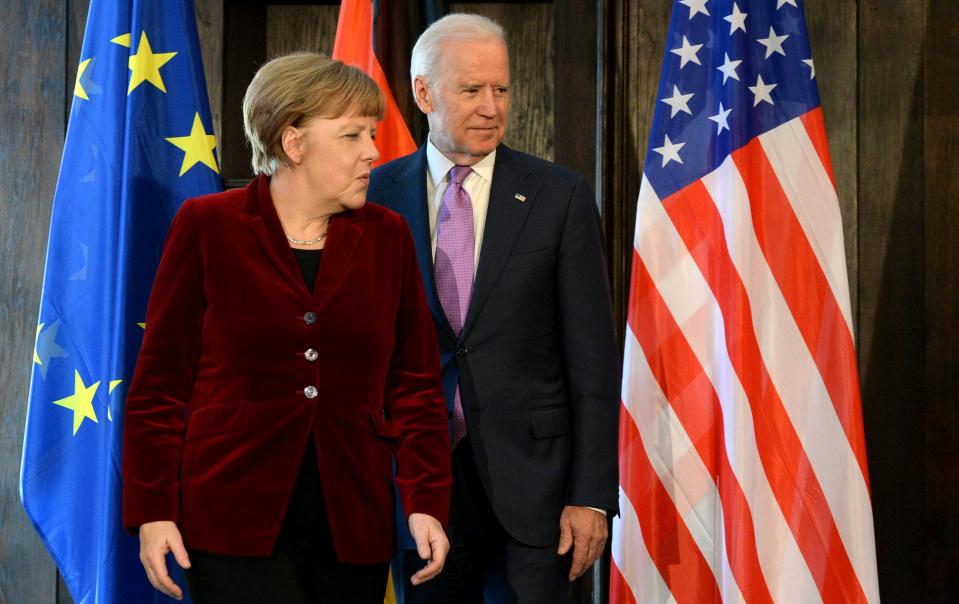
(422, 94)
(292, 143)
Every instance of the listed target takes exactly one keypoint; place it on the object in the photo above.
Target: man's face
(467, 104)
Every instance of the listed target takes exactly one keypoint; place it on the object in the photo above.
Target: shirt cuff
(603, 512)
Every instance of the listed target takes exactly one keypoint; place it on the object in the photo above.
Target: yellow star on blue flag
(80, 402)
(117, 193)
(145, 65)
(197, 146)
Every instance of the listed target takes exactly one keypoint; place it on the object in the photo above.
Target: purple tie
(453, 267)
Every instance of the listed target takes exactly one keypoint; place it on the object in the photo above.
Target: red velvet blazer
(241, 364)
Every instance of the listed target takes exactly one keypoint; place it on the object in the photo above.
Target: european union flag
(139, 142)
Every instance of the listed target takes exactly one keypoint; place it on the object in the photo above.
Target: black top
(306, 514)
(309, 261)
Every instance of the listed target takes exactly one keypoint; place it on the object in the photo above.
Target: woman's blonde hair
(291, 89)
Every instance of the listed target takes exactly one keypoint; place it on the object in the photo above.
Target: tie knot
(459, 173)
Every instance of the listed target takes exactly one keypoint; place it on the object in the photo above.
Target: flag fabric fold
(354, 45)
(139, 142)
(743, 474)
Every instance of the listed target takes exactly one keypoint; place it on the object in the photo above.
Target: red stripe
(696, 404)
(619, 591)
(816, 127)
(787, 467)
(668, 541)
(806, 290)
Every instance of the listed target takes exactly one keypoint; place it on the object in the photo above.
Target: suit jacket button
(310, 391)
(309, 318)
(311, 355)
(461, 352)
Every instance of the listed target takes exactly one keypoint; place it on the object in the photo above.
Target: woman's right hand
(431, 544)
(156, 540)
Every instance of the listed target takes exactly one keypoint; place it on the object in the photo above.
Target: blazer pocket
(550, 422)
(214, 420)
(383, 428)
(525, 259)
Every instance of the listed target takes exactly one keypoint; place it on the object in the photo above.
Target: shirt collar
(438, 165)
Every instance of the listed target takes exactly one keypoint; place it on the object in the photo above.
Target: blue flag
(139, 142)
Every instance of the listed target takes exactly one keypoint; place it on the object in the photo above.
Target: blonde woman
(289, 359)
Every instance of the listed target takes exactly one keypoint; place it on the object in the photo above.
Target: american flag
(743, 462)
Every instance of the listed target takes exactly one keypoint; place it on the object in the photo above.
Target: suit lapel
(504, 221)
(269, 233)
(343, 236)
(408, 198)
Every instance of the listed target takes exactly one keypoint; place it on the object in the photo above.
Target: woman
(289, 356)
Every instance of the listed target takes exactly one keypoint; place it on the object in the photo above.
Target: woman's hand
(158, 538)
(431, 544)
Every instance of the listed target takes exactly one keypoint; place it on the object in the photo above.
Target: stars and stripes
(742, 457)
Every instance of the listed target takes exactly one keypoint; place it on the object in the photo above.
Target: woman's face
(336, 157)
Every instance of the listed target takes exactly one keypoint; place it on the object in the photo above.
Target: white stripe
(677, 464)
(632, 558)
(813, 198)
(795, 375)
(691, 302)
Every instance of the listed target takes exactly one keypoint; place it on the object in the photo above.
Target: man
(511, 254)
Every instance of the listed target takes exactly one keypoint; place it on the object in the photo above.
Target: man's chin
(484, 149)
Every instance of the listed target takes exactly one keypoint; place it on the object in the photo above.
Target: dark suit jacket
(536, 359)
(218, 414)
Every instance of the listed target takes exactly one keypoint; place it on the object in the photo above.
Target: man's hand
(584, 529)
(431, 544)
(156, 539)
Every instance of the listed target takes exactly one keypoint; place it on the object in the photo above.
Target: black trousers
(302, 568)
(485, 564)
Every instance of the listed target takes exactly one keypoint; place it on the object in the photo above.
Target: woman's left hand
(431, 544)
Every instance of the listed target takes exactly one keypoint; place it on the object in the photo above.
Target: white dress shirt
(477, 184)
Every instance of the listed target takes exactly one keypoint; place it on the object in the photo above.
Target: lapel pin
(520, 197)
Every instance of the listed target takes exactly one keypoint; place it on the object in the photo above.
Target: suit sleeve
(590, 353)
(154, 421)
(414, 399)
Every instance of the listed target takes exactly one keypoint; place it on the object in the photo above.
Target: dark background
(889, 82)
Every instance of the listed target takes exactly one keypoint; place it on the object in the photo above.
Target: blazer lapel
(408, 198)
(344, 234)
(269, 232)
(504, 221)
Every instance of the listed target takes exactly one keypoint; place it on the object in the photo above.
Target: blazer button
(311, 355)
(309, 318)
(310, 391)
(461, 352)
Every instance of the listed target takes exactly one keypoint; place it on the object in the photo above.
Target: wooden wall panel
(636, 41)
(575, 24)
(244, 50)
(890, 281)
(940, 470)
(291, 28)
(33, 45)
(832, 33)
(209, 24)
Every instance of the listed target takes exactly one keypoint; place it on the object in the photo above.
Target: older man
(511, 253)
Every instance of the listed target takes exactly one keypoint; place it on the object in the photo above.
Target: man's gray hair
(456, 27)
